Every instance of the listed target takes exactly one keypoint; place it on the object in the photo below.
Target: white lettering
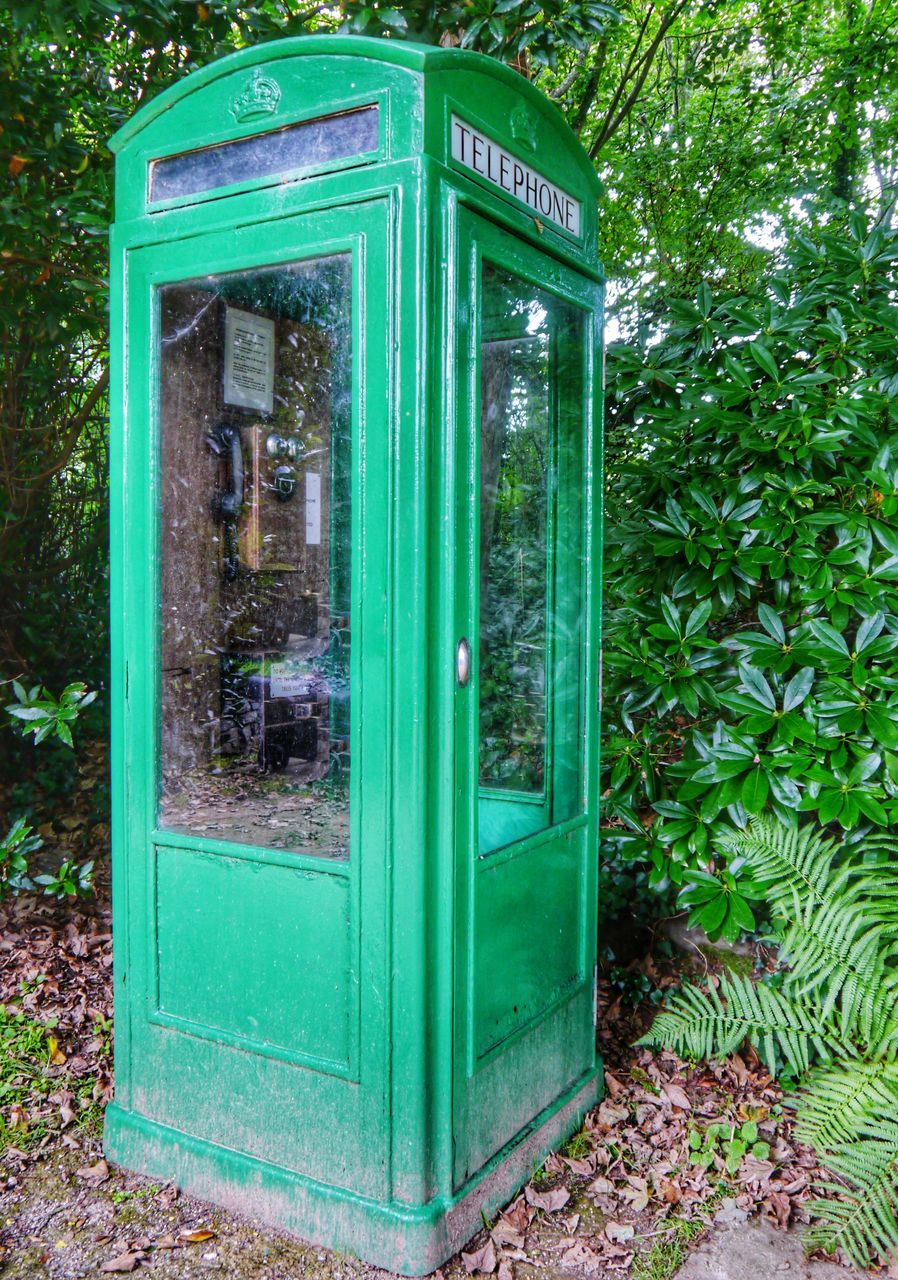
(479, 153)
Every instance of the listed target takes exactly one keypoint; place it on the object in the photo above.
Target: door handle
(463, 662)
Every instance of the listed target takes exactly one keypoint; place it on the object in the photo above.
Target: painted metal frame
(404, 1175)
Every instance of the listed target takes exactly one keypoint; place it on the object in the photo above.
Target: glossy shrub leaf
(752, 552)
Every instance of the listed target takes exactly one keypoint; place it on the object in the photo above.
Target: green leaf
(697, 618)
(27, 713)
(671, 614)
(754, 681)
(764, 360)
(771, 622)
(798, 688)
(742, 912)
(755, 790)
(867, 632)
(871, 808)
(829, 637)
(882, 721)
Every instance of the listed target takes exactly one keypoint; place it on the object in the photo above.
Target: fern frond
(838, 937)
(801, 873)
(699, 1022)
(837, 1101)
(838, 958)
(793, 863)
(863, 1222)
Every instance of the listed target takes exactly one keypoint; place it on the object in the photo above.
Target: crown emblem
(522, 128)
(260, 97)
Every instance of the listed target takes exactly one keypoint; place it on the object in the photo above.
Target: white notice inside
(290, 680)
(313, 509)
(249, 361)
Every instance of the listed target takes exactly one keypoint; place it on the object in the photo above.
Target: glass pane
(256, 458)
(531, 550)
(299, 146)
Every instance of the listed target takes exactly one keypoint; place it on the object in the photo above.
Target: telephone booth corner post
(356, 534)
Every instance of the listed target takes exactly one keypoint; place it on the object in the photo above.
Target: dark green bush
(751, 613)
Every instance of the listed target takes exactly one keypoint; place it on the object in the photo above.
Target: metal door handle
(463, 662)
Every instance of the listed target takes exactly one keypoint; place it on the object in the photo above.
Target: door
(256, 641)
(525, 688)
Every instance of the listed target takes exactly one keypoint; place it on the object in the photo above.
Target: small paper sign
(249, 361)
(313, 509)
(290, 680)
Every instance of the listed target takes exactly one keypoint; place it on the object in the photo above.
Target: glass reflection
(256, 454)
(531, 557)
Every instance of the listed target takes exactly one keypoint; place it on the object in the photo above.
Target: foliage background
(748, 153)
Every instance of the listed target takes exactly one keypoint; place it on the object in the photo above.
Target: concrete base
(740, 1250)
(410, 1239)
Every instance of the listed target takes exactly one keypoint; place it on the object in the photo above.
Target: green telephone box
(356, 549)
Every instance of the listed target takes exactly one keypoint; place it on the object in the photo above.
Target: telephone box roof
(421, 59)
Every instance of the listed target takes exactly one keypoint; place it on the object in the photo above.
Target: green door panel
(506, 1094)
(245, 962)
(285, 1113)
(270, 928)
(525, 796)
(528, 946)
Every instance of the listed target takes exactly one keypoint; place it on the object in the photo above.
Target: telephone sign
(479, 153)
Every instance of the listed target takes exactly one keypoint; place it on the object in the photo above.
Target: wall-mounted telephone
(227, 503)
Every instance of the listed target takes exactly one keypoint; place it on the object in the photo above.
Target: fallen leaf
(636, 1192)
(677, 1096)
(618, 1232)
(754, 1170)
(93, 1174)
(18, 1117)
(580, 1255)
(600, 1187)
(611, 1114)
(739, 1069)
(57, 1057)
(670, 1192)
(613, 1085)
(483, 1260)
(197, 1236)
(124, 1262)
(780, 1208)
(797, 1184)
(549, 1201)
(505, 1233)
(519, 1214)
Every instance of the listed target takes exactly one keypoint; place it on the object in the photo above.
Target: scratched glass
(256, 417)
(532, 368)
(310, 144)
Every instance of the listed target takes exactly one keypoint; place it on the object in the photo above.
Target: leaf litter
(626, 1181)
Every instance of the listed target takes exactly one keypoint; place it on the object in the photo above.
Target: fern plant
(830, 1015)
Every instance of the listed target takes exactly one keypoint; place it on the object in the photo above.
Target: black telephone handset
(227, 504)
